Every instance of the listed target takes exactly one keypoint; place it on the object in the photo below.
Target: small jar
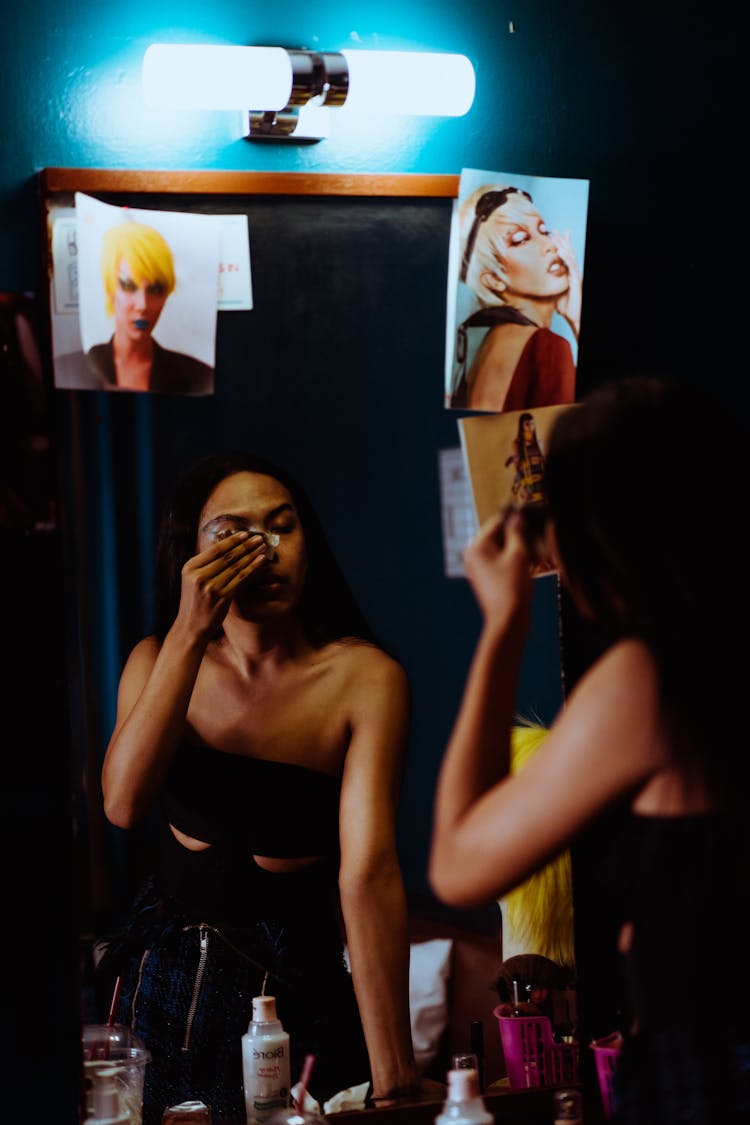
(187, 1113)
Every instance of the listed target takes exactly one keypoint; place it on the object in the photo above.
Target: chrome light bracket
(319, 80)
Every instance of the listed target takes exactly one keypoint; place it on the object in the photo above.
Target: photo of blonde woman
(518, 298)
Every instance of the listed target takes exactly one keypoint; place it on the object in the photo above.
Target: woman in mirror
(270, 728)
(644, 543)
(521, 274)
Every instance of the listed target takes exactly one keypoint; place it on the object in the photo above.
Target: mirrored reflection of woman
(644, 546)
(270, 728)
(507, 355)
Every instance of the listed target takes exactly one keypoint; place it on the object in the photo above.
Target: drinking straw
(113, 1005)
(110, 1022)
(304, 1081)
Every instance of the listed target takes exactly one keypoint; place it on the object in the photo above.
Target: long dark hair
(647, 482)
(327, 608)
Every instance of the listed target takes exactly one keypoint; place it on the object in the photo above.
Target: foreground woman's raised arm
(491, 829)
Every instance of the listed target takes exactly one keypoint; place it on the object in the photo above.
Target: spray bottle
(463, 1104)
(265, 1062)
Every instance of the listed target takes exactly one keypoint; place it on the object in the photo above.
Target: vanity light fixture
(287, 93)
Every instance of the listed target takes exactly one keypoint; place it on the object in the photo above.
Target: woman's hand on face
(210, 578)
(570, 303)
(499, 567)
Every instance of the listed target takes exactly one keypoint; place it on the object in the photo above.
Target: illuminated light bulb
(406, 82)
(204, 76)
(209, 77)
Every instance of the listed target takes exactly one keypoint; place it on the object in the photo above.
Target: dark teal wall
(637, 97)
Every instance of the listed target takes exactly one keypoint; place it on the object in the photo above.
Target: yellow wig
(146, 252)
(539, 913)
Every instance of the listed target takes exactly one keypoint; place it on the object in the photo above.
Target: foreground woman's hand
(499, 566)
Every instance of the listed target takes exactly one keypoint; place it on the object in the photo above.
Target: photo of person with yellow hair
(138, 273)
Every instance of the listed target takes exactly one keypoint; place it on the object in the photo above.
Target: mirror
(336, 372)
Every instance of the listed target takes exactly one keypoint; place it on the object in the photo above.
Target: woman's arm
(491, 829)
(498, 566)
(373, 899)
(157, 681)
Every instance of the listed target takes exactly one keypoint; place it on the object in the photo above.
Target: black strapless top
(244, 807)
(268, 808)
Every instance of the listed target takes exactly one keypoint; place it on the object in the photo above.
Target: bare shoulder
(363, 661)
(627, 668)
(141, 660)
(375, 698)
(370, 681)
(618, 703)
(135, 674)
(146, 650)
(608, 736)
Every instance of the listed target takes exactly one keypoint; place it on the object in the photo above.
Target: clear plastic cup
(114, 1065)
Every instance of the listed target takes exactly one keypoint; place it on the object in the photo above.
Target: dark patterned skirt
(187, 988)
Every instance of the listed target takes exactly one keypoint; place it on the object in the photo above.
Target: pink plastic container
(606, 1051)
(532, 1058)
